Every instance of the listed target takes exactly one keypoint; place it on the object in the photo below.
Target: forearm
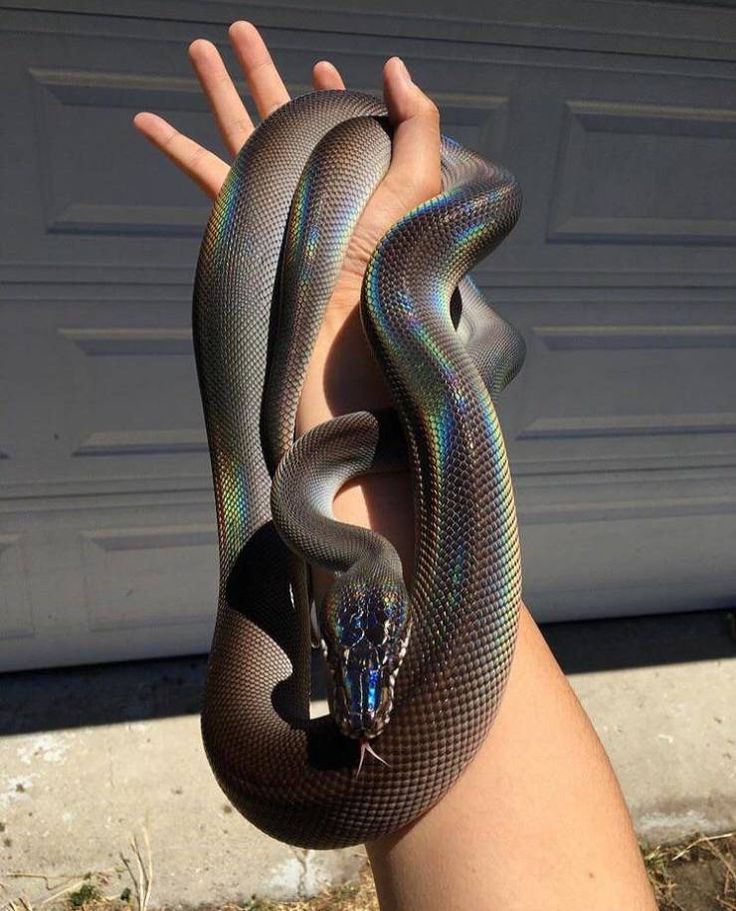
(537, 821)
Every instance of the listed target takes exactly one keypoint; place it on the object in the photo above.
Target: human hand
(342, 376)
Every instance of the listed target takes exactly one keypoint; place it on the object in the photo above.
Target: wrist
(343, 375)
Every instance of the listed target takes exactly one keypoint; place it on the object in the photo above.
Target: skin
(537, 821)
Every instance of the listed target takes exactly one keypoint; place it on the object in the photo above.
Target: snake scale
(415, 676)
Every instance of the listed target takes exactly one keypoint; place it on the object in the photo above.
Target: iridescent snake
(416, 676)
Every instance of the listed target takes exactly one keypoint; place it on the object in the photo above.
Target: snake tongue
(365, 747)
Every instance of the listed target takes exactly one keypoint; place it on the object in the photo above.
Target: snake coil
(438, 658)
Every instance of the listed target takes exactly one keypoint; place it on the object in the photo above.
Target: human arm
(537, 820)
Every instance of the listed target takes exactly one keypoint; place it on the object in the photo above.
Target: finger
(204, 167)
(232, 119)
(266, 86)
(326, 76)
(414, 173)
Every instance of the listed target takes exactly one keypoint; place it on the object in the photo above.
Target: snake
(414, 673)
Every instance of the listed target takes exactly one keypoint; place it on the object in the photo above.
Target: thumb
(414, 174)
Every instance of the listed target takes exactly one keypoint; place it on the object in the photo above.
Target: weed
(87, 892)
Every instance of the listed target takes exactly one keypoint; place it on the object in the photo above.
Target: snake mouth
(363, 729)
(362, 705)
(362, 690)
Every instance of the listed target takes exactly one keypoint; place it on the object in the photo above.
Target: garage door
(619, 119)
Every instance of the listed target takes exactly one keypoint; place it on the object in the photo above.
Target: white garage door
(619, 119)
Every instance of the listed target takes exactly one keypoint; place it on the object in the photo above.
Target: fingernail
(403, 70)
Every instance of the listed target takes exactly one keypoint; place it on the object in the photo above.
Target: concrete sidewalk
(89, 757)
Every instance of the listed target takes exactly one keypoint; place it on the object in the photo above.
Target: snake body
(422, 672)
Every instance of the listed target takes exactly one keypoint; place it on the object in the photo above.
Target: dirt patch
(697, 875)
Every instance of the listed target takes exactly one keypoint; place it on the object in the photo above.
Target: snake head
(365, 625)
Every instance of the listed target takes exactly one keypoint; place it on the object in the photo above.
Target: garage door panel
(132, 576)
(89, 158)
(628, 403)
(622, 384)
(95, 400)
(625, 565)
(147, 578)
(669, 159)
(15, 607)
(138, 396)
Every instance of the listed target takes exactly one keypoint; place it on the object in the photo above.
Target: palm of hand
(414, 174)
